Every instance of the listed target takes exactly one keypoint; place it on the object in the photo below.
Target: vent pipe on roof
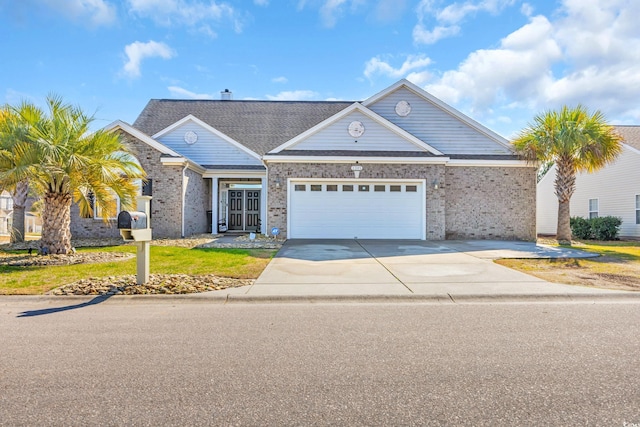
(226, 95)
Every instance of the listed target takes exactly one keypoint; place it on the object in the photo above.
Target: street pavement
(138, 362)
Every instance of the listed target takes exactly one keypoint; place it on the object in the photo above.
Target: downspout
(265, 207)
(184, 196)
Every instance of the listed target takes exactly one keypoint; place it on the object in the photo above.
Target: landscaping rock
(157, 284)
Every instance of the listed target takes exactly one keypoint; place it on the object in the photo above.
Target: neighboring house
(6, 212)
(611, 191)
(32, 224)
(401, 164)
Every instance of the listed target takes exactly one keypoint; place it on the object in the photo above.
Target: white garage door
(353, 209)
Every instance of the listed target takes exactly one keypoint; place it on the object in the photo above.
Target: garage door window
(411, 188)
(331, 187)
(347, 188)
(363, 188)
(300, 187)
(395, 188)
(379, 188)
(316, 187)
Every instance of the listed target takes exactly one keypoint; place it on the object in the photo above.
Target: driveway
(402, 267)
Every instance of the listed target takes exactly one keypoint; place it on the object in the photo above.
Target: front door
(244, 210)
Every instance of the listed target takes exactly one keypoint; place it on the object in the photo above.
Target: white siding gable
(376, 137)
(435, 126)
(209, 149)
(615, 186)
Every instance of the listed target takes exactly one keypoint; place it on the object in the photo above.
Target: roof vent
(226, 95)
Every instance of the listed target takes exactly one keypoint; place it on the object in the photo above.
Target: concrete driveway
(402, 267)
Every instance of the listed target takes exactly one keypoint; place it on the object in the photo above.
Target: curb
(620, 297)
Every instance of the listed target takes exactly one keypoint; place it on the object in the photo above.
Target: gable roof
(259, 125)
(216, 132)
(420, 145)
(442, 106)
(631, 135)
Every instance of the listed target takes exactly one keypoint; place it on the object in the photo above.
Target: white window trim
(597, 211)
(96, 210)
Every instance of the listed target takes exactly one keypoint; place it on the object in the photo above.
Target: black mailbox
(131, 220)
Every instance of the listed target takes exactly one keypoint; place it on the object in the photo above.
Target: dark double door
(244, 210)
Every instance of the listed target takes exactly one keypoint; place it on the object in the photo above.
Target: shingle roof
(259, 125)
(631, 135)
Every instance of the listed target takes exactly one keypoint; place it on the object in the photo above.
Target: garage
(357, 209)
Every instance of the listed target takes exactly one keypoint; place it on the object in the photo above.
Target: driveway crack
(384, 266)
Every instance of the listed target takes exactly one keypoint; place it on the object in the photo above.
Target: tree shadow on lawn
(97, 300)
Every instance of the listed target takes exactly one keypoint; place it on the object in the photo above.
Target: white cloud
(331, 10)
(377, 66)
(586, 52)
(280, 79)
(186, 94)
(294, 95)
(448, 18)
(193, 13)
(520, 68)
(137, 51)
(95, 12)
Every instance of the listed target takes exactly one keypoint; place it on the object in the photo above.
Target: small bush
(580, 228)
(605, 228)
(601, 228)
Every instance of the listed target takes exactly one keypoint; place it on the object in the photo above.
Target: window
(147, 187)
(6, 203)
(378, 188)
(347, 188)
(637, 208)
(300, 187)
(395, 188)
(363, 188)
(593, 208)
(316, 187)
(332, 187)
(112, 208)
(411, 188)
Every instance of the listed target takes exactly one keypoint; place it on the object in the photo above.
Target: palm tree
(66, 162)
(576, 141)
(13, 140)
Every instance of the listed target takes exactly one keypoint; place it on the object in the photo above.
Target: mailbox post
(136, 227)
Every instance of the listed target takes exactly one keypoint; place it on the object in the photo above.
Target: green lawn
(236, 263)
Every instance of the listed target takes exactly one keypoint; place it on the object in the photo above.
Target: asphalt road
(124, 363)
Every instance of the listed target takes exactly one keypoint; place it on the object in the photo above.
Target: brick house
(400, 164)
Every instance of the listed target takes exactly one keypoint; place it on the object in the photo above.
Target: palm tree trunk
(56, 220)
(565, 184)
(19, 196)
(563, 233)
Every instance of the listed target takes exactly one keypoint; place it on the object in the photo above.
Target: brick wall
(277, 198)
(197, 203)
(166, 205)
(491, 203)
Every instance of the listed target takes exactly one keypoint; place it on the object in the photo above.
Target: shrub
(605, 228)
(601, 228)
(580, 228)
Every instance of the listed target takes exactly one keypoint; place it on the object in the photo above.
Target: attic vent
(226, 95)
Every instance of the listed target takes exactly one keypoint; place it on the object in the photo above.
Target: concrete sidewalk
(415, 269)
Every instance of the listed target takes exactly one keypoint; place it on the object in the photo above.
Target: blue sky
(498, 61)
